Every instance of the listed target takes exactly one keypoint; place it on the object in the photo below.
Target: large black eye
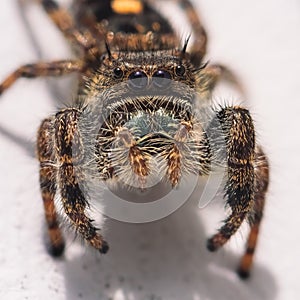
(161, 78)
(138, 80)
(180, 70)
(118, 73)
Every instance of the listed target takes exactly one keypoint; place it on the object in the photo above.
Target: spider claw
(56, 250)
(104, 248)
(243, 274)
(211, 245)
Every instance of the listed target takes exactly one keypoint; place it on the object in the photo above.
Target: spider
(128, 58)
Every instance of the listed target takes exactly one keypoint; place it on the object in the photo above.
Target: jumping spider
(128, 43)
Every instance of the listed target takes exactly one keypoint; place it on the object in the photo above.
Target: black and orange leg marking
(240, 187)
(262, 181)
(48, 173)
(66, 24)
(69, 155)
(55, 68)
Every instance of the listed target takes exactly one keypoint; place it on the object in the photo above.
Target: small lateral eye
(180, 70)
(161, 78)
(118, 73)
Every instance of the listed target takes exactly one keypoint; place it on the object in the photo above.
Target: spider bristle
(183, 51)
(108, 50)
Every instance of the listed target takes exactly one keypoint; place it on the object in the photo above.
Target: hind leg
(262, 181)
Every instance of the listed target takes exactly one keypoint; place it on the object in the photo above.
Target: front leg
(239, 134)
(70, 155)
(48, 185)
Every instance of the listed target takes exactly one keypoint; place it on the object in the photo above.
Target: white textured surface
(165, 260)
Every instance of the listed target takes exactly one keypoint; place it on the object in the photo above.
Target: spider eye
(118, 73)
(180, 70)
(161, 78)
(138, 80)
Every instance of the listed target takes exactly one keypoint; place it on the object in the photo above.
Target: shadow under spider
(27, 146)
(163, 260)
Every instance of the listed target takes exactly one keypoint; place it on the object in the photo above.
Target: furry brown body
(131, 70)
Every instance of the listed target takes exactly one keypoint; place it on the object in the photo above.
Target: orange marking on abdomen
(125, 7)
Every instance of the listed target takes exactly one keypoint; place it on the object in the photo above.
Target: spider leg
(211, 75)
(226, 74)
(239, 134)
(69, 151)
(198, 49)
(66, 24)
(48, 173)
(55, 68)
(262, 181)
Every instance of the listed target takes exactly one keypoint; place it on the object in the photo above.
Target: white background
(260, 41)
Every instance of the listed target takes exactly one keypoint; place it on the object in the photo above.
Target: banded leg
(66, 24)
(262, 181)
(240, 187)
(55, 68)
(71, 179)
(48, 173)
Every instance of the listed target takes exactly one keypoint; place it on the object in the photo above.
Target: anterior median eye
(161, 78)
(138, 80)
